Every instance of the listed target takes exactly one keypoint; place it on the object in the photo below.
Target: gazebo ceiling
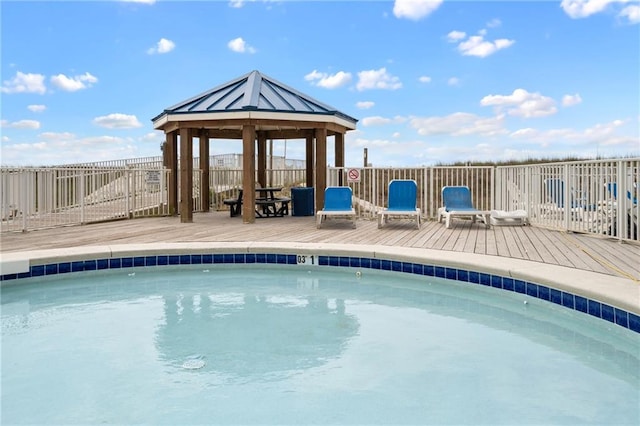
(254, 99)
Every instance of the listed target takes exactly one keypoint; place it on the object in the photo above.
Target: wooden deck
(579, 251)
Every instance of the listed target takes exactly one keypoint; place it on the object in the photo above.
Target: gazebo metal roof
(252, 96)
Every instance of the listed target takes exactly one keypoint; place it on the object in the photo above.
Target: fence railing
(42, 198)
(599, 197)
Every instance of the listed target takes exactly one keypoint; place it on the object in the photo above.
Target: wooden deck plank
(580, 251)
(526, 245)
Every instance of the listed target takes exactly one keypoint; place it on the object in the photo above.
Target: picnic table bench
(267, 204)
(235, 204)
(272, 207)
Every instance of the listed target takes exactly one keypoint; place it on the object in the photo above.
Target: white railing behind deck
(33, 198)
(36, 198)
(585, 199)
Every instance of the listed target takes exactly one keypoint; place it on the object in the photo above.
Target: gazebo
(254, 108)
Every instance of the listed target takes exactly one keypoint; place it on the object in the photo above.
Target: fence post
(492, 188)
(621, 201)
(23, 199)
(127, 201)
(566, 196)
(432, 198)
(81, 192)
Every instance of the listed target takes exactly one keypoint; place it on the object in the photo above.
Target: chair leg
(447, 221)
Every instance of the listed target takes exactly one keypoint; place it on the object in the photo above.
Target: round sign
(353, 175)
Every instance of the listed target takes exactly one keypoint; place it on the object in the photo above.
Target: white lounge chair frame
(386, 214)
(469, 212)
(331, 212)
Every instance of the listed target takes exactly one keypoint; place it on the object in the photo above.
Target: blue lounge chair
(402, 202)
(457, 203)
(556, 193)
(337, 204)
(612, 187)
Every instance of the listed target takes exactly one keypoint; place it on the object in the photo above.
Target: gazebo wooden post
(171, 153)
(186, 176)
(339, 155)
(321, 166)
(262, 159)
(205, 190)
(248, 173)
(309, 161)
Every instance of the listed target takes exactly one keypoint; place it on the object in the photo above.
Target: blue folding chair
(337, 204)
(402, 201)
(457, 203)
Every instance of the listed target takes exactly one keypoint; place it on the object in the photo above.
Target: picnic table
(270, 205)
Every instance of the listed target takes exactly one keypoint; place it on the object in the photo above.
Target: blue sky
(429, 81)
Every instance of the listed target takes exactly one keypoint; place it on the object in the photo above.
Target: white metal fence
(36, 198)
(599, 196)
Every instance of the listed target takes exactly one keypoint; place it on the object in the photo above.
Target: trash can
(302, 201)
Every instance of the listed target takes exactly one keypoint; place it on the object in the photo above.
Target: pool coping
(620, 293)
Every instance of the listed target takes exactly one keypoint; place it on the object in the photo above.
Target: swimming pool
(199, 340)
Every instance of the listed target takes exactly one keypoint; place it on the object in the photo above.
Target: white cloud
(377, 79)
(578, 9)
(73, 84)
(240, 46)
(163, 46)
(375, 121)
(66, 148)
(424, 79)
(24, 83)
(153, 137)
(522, 104)
(478, 46)
(494, 23)
(57, 136)
(36, 108)
(20, 124)
(459, 124)
(5, 139)
(455, 36)
(140, 1)
(582, 8)
(597, 135)
(329, 81)
(237, 4)
(570, 100)
(453, 81)
(632, 13)
(415, 9)
(365, 104)
(117, 121)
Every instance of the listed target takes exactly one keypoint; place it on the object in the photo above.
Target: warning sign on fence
(353, 175)
(153, 177)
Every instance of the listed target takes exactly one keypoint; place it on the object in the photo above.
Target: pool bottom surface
(288, 345)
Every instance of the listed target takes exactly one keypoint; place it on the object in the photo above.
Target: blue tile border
(578, 303)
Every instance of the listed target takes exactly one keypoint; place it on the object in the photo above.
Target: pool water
(292, 345)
